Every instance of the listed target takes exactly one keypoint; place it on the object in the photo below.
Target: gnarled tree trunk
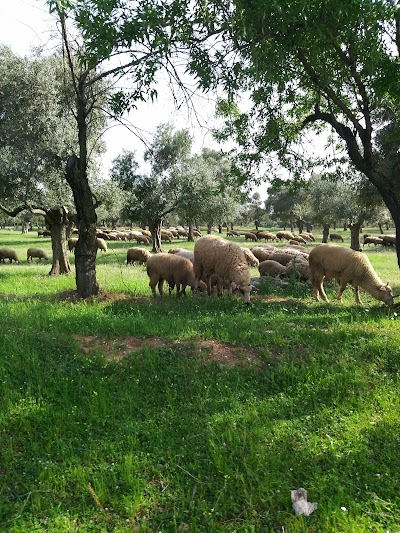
(86, 247)
(155, 229)
(325, 232)
(355, 235)
(57, 222)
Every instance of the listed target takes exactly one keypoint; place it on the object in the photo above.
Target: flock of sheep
(219, 265)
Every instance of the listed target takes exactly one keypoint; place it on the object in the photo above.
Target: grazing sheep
(171, 268)
(389, 240)
(196, 233)
(215, 255)
(186, 253)
(36, 252)
(176, 250)
(232, 233)
(8, 253)
(251, 236)
(370, 239)
(101, 245)
(336, 237)
(182, 232)
(282, 257)
(139, 255)
(146, 232)
(262, 253)
(300, 268)
(166, 235)
(143, 239)
(250, 257)
(298, 239)
(72, 243)
(287, 235)
(266, 235)
(346, 266)
(271, 268)
(307, 236)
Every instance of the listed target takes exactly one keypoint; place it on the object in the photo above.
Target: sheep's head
(386, 295)
(244, 291)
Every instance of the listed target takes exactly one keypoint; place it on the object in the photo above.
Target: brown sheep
(137, 254)
(171, 268)
(271, 268)
(329, 261)
(266, 235)
(215, 255)
(36, 252)
(8, 253)
(287, 235)
(251, 236)
(72, 243)
(336, 237)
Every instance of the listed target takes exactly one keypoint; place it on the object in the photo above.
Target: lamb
(137, 254)
(336, 237)
(36, 252)
(8, 253)
(101, 244)
(171, 268)
(271, 268)
(331, 261)
(215, 255)
(250, 257)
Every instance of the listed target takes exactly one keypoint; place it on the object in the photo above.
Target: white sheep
(250, 257)
(271, 268)
(171, 268)
(186, 253)
(36, 252)
(215, 255)
(330, 261)
(287, 235)
(137, 254)
(101, 244)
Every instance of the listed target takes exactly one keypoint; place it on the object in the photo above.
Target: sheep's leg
(208, 282)
(341, 291)
(152, 286)
(318, 289)
(357, 295)
(160, 286)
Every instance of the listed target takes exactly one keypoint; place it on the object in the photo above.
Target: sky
(25, 24)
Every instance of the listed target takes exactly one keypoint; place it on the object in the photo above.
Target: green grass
(96, 436)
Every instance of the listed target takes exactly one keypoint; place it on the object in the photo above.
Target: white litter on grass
(300, 504)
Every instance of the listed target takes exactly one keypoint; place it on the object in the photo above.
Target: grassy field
(128, 413)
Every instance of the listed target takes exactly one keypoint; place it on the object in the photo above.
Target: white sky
(25, 24)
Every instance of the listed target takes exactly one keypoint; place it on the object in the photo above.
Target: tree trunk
(190, 232)
(325, 232)
(57, 222)
(355, 235)
(257, 224)
(300, 225)
(86, 247)
(209, 229)
(155, 229)
(219, 228)
(380, 227)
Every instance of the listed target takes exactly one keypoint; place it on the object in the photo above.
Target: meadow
(128, 413)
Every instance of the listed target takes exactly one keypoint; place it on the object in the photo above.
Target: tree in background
(153, 197)
(37, 133)
(329, 66)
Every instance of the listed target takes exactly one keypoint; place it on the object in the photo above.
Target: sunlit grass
(168, 437)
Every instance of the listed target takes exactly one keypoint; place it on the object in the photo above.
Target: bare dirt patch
(210, 351)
